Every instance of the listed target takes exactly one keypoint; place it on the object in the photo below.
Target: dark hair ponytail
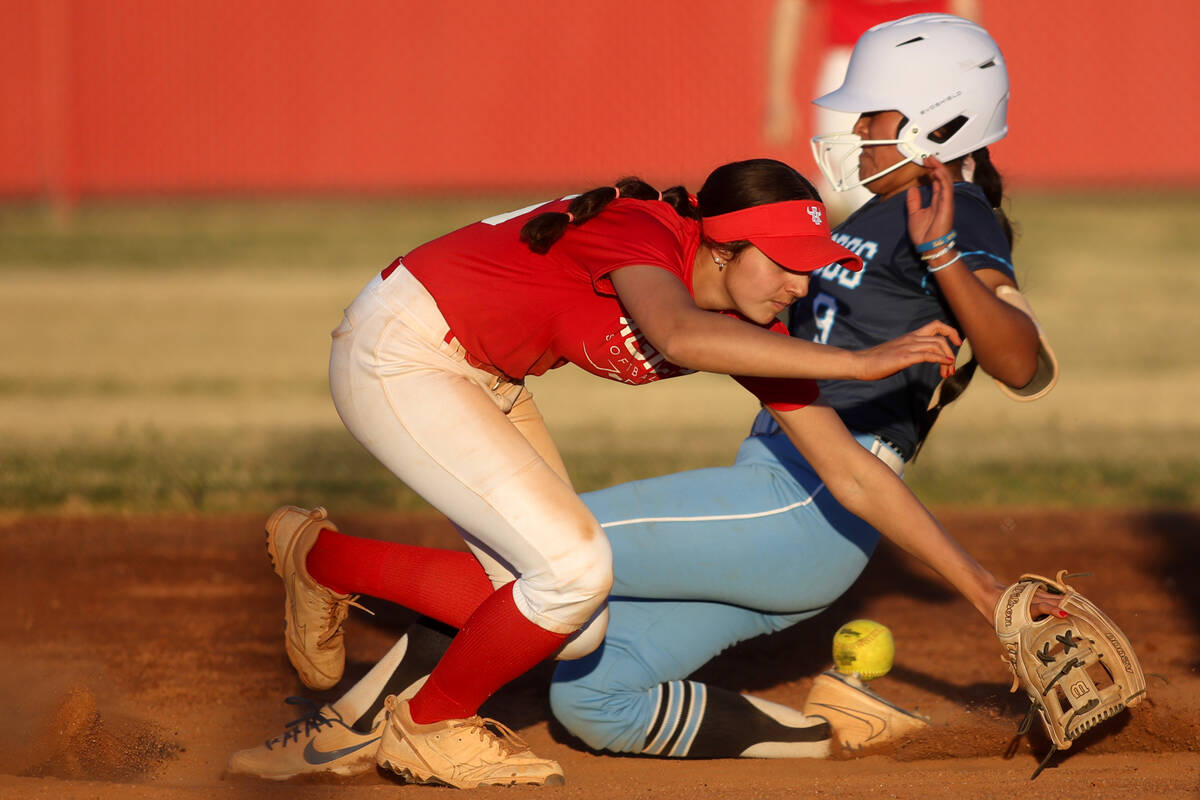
(949, 390)
(541, 232)
(730, 187)
(987, 178)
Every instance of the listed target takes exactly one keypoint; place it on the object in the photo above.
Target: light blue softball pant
(703, 560)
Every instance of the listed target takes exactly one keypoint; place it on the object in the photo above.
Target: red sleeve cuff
(781, 394)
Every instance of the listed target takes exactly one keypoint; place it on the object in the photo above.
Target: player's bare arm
(868, 489)
(693, 337)
(1003, 339)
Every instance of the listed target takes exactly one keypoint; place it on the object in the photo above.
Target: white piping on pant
(717, 517)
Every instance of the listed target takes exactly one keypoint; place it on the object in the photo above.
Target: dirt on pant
(139, 652)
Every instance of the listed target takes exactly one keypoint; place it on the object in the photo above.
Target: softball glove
(1078, 670)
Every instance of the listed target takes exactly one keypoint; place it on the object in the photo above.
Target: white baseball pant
(475, 447)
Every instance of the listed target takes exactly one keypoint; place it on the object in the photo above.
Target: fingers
(912, 200)
(943, 347)
(941, 200)
(1046, 604)
(929, 344)
(939, 328)
(1047, 608)
(928, 222)
(933, 349)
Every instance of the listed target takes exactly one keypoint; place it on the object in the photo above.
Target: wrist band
(943, 266)
(939, 253)
(941, 241)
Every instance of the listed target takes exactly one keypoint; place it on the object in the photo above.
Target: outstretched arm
(694, 338)
(871, 491)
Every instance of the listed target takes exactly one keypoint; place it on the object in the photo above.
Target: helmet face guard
(943, 73)
(837, 156)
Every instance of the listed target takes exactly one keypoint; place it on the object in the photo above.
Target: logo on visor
(815, 213)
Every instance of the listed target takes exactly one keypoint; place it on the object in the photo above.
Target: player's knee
(569, 704)
(587, 639)
(601, 718)
(570, 589)
(591, 578)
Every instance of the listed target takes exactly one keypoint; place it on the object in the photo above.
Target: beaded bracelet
(943, 266)
(941, 241)
(939, 253)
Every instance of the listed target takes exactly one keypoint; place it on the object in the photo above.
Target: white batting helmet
(936, 70)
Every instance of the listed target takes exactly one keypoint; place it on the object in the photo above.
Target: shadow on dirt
(1176, 559)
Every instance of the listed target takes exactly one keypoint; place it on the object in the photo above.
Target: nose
(799, 286)
(860, 126)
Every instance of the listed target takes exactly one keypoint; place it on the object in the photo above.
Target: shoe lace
(497, 733)
(491, 731)
(311, 722)
(339, 609)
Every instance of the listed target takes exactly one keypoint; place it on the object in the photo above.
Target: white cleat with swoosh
(319, 741)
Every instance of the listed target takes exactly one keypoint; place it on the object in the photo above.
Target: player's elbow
(858, 481)
(683, 343)
(1015, 370)
(850, 490)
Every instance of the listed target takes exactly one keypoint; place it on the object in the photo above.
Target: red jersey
(521, 313)
(850, 19)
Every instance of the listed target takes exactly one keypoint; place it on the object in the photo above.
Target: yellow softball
(864, 648)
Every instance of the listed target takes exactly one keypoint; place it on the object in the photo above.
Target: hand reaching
(929, 343)
(1043, 604)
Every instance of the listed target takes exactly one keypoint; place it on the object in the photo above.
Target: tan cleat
(312, 614)
(463, 753)
(859, 717)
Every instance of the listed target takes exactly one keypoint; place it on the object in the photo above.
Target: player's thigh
(751, 534)
(527, 418)
(446, 438)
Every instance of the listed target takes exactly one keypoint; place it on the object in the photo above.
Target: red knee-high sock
(444, 584)
(495, 646)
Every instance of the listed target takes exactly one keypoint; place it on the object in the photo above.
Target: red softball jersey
(519, 313)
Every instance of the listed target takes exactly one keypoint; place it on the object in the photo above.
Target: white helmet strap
(837, 155)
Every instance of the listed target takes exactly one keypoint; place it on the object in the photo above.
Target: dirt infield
(138, 653)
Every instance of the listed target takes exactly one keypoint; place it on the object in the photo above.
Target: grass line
(152, 471)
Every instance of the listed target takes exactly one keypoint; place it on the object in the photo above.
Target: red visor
(793, 234)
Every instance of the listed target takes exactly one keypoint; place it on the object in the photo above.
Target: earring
(720, 262)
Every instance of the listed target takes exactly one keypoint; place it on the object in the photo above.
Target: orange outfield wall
(112, 97)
